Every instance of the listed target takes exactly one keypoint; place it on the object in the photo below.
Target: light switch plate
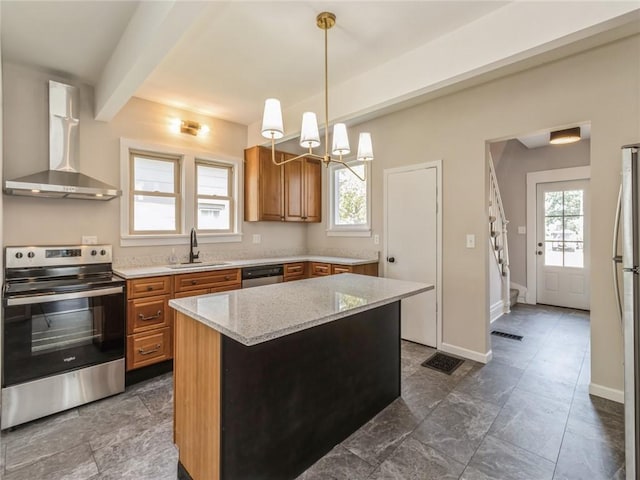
(471, 240)
(522, 230)
(89, 240)
(257, 238)
(376, 239)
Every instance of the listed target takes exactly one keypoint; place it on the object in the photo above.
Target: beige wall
(513, 162)
(601, 86)
(54, 221)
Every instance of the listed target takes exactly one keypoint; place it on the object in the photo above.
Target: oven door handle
(63, 296)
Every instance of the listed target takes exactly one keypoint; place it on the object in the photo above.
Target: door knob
(391, 259)
(539, 252)
(539, 244)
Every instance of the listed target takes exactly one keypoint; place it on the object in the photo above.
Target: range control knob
(94, 253)
(31, 254)
(103, 252)
(19, 255)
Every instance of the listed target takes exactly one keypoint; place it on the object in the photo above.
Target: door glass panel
(552, 204)
(573, 202)
(564, 228)
(553, 228)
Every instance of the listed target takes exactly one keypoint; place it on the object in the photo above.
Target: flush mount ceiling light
(189, 127)
(273, 128)
(569, 135)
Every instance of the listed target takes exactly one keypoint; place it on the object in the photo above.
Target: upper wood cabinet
(291, 192)
(303, 190)
(263, 186)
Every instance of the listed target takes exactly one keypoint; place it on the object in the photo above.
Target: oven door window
(43, 339)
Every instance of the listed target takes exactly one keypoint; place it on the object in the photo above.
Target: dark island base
(287, 402)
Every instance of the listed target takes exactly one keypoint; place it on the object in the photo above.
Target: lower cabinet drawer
(319, 269)
(148, 348)
(148, 314)
(335, 269)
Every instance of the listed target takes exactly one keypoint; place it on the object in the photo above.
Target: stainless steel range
(63, 330)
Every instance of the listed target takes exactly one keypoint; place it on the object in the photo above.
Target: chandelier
(273, 128)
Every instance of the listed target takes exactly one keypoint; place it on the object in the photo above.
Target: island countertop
(255, 315)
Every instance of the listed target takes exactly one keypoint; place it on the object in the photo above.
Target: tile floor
(525, 415)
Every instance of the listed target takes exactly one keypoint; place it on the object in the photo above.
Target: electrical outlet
(89, 240)
(376, 239)
(522, 230)
(257, 238)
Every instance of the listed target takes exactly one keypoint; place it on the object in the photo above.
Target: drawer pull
(295, 269)
(152, 317)
(149, 288)
(142, 351)
(194, 282)
(226, 277)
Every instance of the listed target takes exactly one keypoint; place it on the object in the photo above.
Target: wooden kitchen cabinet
(149, 321)
(291, 192)
(365, 269)
(319, 269)
(200, 281)
(303, 190)
(295, 271)
(263, 186)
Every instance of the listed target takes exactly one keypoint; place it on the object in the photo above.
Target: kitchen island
(267, 380)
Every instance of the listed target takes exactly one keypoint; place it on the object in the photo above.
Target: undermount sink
(197, 265)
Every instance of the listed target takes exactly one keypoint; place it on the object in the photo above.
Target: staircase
(498, 234)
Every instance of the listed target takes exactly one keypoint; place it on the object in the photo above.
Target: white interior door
(562, 246)
(411, 246)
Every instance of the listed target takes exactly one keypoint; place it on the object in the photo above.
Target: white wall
(58, 221)
(513, 162)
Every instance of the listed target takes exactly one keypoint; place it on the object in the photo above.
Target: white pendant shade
(340, 140)
(365, 147)
(309, 135)
(272, 119)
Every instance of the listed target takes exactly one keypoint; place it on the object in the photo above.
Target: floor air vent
(442, 363)
(507, 335)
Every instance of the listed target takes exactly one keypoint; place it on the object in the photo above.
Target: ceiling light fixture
(569, 135)
(272, 127)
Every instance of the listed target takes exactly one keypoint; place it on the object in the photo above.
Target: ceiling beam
(154, 29)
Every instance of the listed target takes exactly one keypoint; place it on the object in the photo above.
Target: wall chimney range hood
(62, 180)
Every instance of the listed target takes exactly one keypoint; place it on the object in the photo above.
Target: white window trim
(334, 230)
(187, 177)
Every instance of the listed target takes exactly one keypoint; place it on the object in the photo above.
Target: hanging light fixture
(272, 127)
(569, 135)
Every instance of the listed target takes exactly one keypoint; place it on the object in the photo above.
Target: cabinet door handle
(142, 351)
(152, 317)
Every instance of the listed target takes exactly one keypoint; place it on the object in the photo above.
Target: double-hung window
(349, 200)
(170, 190)
(154, 199)
(214, 196)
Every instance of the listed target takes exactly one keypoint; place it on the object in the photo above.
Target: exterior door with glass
(562, 246)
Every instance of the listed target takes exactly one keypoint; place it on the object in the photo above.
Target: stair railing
(498, 233)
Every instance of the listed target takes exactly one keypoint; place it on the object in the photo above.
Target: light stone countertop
(158, 270)
(259, 314)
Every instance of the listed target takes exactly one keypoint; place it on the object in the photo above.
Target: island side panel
(289, 401)
(197, 398)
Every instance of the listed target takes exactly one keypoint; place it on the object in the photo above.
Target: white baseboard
(465, 353)
(522, 292)
(496, 310)
(606, 392)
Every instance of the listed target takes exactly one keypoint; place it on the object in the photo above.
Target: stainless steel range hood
(62, 180)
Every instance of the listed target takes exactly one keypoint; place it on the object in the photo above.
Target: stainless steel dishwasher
(262, 275)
